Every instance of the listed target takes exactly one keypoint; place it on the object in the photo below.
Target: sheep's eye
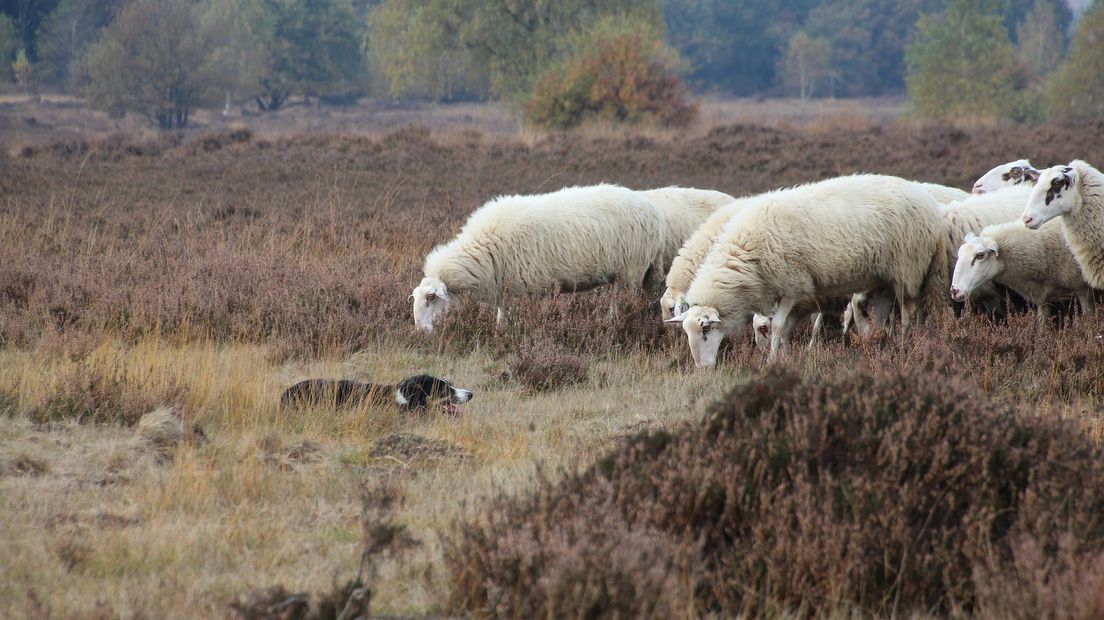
(705, 330)
(979, 256)
(1016, 172)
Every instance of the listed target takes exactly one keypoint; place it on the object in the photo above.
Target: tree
(807, 63)
(1018, 13)
(272, 49)
(1040, 42)
(1076, 88)
(315, 50)
(416, 51)
(241, 31)
(963, 65)
(733, 45)
(27, 16)
(8, 44)
(867, 40)
(505, 43)
(154, 59)
(21, 68)
(67, 32)
(621, 72)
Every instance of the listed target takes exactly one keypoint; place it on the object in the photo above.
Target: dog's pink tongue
(452, 409)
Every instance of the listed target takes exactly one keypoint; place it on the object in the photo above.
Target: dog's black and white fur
(420, 392)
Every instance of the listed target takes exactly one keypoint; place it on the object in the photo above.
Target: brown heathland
(207, 272)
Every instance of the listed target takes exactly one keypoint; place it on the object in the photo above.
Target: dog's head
(431, 393)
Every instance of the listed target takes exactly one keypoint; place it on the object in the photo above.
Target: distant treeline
(560, 59)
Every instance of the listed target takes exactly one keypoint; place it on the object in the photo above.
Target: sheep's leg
(1042, 315)
(818, 325)
(780, 335)
(613, 301)
(1088, 304)
(909, 306)
(500, 315)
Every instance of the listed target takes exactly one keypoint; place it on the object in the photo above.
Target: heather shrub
(543, 367)
(622, 72)
(892, 492)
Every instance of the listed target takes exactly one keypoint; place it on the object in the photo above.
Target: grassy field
(208, 271)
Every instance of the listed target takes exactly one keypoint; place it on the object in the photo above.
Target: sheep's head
(704, 331)
(1006, 175)
(761, 325)
(867, 311)
(978, 263)
(431, 301)
(1057, 193)
(672, 302)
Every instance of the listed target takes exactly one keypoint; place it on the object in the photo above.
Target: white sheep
(962, 217)
(1006, 175)
(690, 255)
(684, 209)
(943, 194)
(868, 311)
(827, 239)
(1037, 265)
(980, 210)
(1076, 194)
(816, 308)
(574, 239)
(685, 265)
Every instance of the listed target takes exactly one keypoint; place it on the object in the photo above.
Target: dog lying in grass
(417, 393)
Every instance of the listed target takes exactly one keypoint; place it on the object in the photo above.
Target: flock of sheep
(873, 249)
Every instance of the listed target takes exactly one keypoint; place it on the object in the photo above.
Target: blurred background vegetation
(560, 62)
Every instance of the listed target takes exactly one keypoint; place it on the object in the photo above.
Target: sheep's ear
(992, 248)
(970, 237)
(1031, 174)
(679, 318)
(411, 298)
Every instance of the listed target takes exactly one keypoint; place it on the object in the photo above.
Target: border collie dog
(418, 393)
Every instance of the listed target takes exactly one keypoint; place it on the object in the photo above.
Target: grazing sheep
(574, 239)
(684, 209)
(1006, 175)
(1076, 194)
(1037, 265)
(817, 308)
(868, 231)
(978, 211)
(868, 311)
(685, 264)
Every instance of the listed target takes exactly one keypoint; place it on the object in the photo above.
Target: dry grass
(105, 523)
(209, 271)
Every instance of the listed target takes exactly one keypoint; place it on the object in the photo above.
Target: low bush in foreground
(896, 492)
